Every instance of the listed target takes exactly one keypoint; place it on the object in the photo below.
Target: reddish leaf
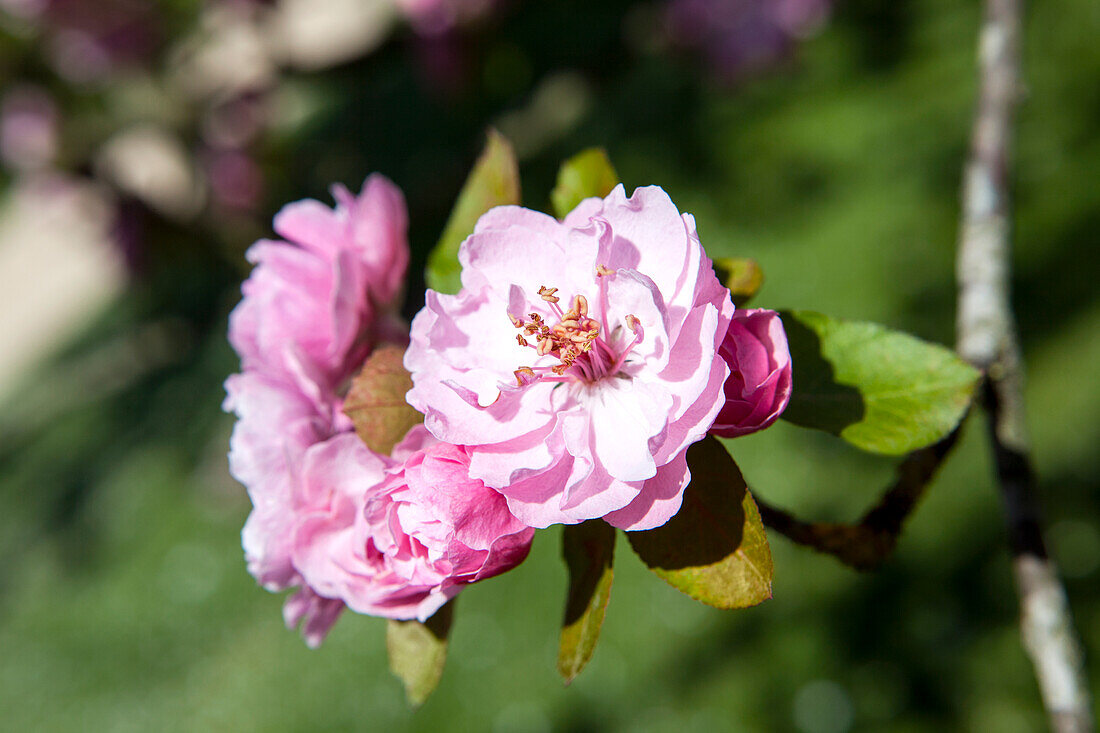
(376, 403)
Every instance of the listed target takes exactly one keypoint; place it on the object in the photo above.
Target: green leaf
(588, 173)
(376, 402)
(418, 651)
(715, 548)
(588, 549)
(882, 391)
(742, 276)
(494, 181)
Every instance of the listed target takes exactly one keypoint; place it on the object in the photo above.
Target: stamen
(547, 294)
(634, 325)
(573, 340)
(524, 375)
(602, 270)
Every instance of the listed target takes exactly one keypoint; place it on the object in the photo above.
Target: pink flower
(312, 310)
(314, 614)
(759, 385)
(410, 543)
(580, 359)
(372, 225)
(276, 425)
(312, 304)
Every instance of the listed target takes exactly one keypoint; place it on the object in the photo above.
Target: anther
(516, 321)
(520, 340)
(522, 372)
(632, 322)
(602, 270)
(547, 294)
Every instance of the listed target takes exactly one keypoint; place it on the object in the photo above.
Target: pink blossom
(276, 425)
(759, 386)
(580, 359)
(419, 537)
(312, 305)
(315, 615)
(371, 225)
(312, 309)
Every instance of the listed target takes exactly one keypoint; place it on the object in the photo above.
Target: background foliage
(124, 601)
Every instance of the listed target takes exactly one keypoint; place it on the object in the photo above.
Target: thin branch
(987, 339)
(867, 543)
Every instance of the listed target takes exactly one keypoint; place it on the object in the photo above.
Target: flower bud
(759, 385)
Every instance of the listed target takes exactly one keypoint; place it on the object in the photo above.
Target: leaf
(494, 181)
(588, 173)
(715, 548)
(881, 390)
(376, 402)
(418, 652)
(742, 276)
(588, 549)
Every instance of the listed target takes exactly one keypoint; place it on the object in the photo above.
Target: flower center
(577, 341)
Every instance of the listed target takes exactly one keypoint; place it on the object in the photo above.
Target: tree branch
(987, 339)
(866, 544)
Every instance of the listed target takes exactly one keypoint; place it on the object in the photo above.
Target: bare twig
(987, 339)
(866, 544)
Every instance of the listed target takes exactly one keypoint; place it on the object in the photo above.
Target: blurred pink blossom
(738, 36)
(436, 17)
(28, 128)
(87, 41)
(584, 409)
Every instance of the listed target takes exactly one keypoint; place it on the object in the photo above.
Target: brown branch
(866, 544)
(987, 339)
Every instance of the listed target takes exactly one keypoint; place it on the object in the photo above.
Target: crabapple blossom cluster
(328, 515)
(564, 382)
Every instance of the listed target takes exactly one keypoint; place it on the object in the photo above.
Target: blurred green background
(124, 600)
